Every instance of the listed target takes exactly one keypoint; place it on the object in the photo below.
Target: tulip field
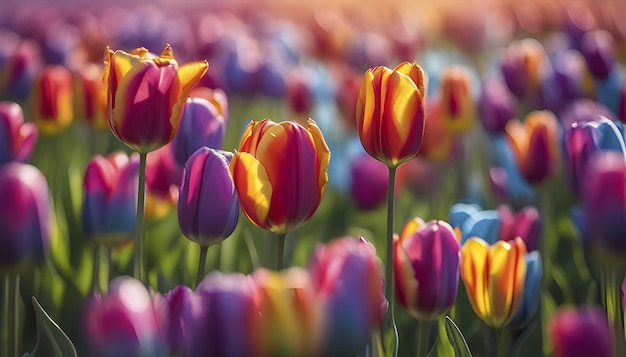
(282, 178)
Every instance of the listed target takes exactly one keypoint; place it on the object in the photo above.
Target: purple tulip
(497, 105)
(370, 179)
(110, 198)
(177, 301)
(25, 216)
(129, 321)
(604, 207)
(202, 124)
(621, 110)
(598, 48)
(18, 139)
(526, 224)
(347, 278)
(426, 263)
(583, 109)
(19, 71)
(208, 209)
(581, 333)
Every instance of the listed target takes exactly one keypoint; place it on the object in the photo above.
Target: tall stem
(611, 294)
(201, 264)
(141, 206)
(11, 326)
(503, 342)
(281, 251)
(390, 323)
(422, 338)
(96, 268)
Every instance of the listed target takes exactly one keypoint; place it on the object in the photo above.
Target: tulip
(369, 182)
(426, 262)
(163, 179)
(201, 125)
(146, 95)
(505, 176)
(473, 221)
(221, 318)
(438, 142)
(457, 104)
(523, 64)
(526, 224)
(90, 96)
(532, 290)
(129, 321)
(534, 144)
(580, 333)
(391, 113)
(621, 110)
(299, 93)
(582, 140)
(289, 317)
(178, 299)
(604, 207)
(598, 48)
(110, 194)
(25, 217)
(496, 105)
(19, 71)
(51, 100)
(18, 138)
(584, 109)
(207, 205)
(494, 278)
(280, 173)
(348, 282)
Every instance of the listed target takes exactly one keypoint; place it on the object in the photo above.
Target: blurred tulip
(534, 144)
(604, 207)
(496, 105)
(289, 320)
(598, 48)
(347, 278)
(110, 198)
(494, 278)
(178, 299)
(370, 179)
(532, 291)
(346, 94)
(581, 333)
(299, 94)
(146, 95)
(90, 96)
(584, 109)
(19, 71)
(51, 100)
(25, 217)
(621, 110)
(163, 179)
(526, 224)
(129, 321)
(221, 318)
(523, 64)
(457, 104)
(426, 263)
(280, 173)
(581, 141)
(202, 125)
(18, 139)
(473, 221)
(207, 205)
(505, 177)
(438, 143)
(391, 113)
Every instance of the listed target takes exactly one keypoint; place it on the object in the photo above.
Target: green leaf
(444, 345)
(457, 341)
(391, 340)
(51, 340)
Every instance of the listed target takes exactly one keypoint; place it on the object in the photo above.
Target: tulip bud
(581, 333)
(280, 173)
(207, 205)
(128, 321)
(426, 264)
(18, 139)
(25, 216)
(19, 71)
(370, 179)
(494, 278)
(391, 113)
(51, 100)
(110, 198)
(201, 125)
(299, 94)
(146, 95)
(523, 64)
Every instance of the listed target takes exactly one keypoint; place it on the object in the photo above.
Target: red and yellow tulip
(390, 112)
(280, 173)
(457, 105)
(146, 94)
(494, 278)
(51, 100)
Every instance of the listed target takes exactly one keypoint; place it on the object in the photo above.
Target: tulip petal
(189, 75)
(474, 270)
(253, 187)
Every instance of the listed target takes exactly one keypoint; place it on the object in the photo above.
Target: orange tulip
(457, 106)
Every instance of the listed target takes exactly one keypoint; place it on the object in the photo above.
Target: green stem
(422, 338)
(96, 268)
(281, 251)
(201, 264)
(141, 206)
(390, 323)
(11, 326)
(503, 342)
(612, 303)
